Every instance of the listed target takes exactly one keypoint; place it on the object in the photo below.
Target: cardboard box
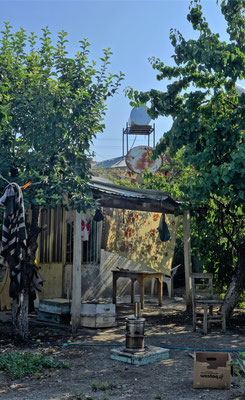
(212, 370)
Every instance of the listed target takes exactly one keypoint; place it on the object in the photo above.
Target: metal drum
(135, 333)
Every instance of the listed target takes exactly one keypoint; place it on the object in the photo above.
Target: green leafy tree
(209, 124)
(211, 250)
(51, 107)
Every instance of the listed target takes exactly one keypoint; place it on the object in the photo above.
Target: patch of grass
(159, 397)
(94, 386)
(104, 386)
(19, 364)
(113, 385)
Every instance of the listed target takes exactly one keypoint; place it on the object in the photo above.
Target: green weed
(239, 371)
(94, 386)
(19, 364)
(104, 386)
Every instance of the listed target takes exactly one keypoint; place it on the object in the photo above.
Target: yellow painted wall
(52, 288)
(53, 276)
(5, 300)
(134, 235)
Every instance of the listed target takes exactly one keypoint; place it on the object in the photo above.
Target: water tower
(138, 124)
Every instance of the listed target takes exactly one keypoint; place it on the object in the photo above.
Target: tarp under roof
(129, 198)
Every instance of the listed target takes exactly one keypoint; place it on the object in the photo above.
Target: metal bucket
(135, 333)
(135, 326)
(135, 342)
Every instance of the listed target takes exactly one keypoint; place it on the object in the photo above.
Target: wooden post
(132, 290)
(187, 257)
(159, 289)
(76, 274)
(51, 236)
(63, 237)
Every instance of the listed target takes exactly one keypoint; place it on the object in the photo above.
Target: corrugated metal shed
(123, 197)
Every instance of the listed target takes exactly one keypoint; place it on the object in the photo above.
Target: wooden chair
(206, 308)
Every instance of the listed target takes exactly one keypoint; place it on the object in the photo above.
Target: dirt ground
(92, 368)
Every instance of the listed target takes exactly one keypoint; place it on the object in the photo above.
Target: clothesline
(29, 183)
(4, 179)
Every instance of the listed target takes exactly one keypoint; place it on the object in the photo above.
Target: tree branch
(227, 211)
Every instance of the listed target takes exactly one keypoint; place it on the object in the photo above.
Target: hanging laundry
(85, 230)
(36, 285)
(37, 280)
(3, 198)
(13, 234)
(164, 233)
(98, 215)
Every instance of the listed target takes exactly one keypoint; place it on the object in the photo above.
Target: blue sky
(135, 30)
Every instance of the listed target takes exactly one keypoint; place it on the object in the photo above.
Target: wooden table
(141, 277)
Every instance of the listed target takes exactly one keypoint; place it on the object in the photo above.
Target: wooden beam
(76, 274)
(187, 257)
(135, 204)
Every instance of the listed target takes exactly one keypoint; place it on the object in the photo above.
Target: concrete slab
(149, 355)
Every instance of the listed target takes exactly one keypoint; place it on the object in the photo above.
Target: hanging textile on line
(85, 230)
(98, 215)
(164, 233)
(13, 234)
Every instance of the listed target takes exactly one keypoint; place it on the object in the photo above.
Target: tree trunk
(237, 284)
(33, 235)
(20, 315)
(20, 307)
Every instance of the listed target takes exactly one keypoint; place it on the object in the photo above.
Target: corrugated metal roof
(106, 186)
(111, 163)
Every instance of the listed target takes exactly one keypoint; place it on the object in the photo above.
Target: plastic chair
(168, 280)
